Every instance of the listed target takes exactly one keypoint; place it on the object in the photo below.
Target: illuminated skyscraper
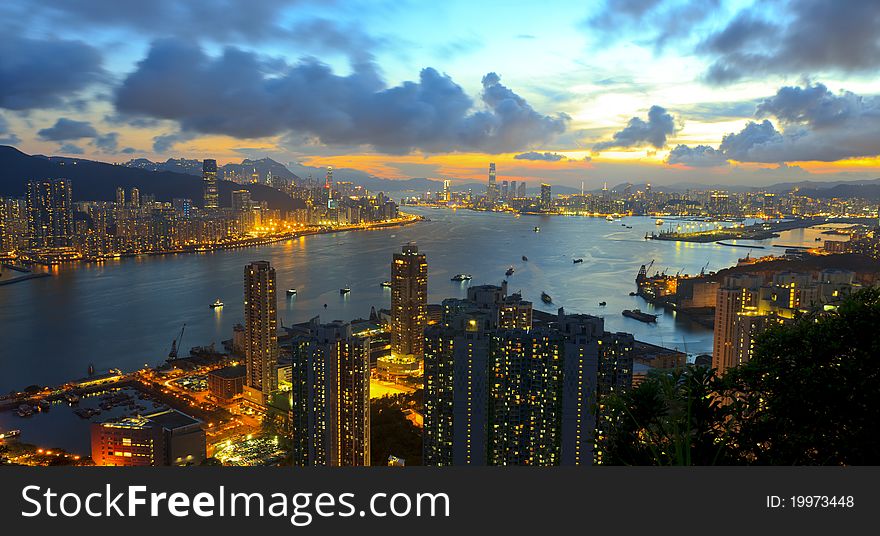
(409, 301)
(209, 184)
(447, 190)
(546, 197)
(50, 215)
(330, 396)
(739, 293)
(120, 197)
(135, 198)
(521, 190)
(261, 331)
(492, 187)
(512, 189)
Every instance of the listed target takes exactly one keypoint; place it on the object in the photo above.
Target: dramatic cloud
(44, 73)
(245, 95)
(818, 107)
(814, 35)
(211, 19)
(534, 155)
(165, 142)
(655, 21)
(68, 129)
(818, 125)
(7, 137)
(107, 143)
(70, 148)
(639, 133)
(698, 156)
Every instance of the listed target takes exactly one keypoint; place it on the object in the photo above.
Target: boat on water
(546, 298)
(602, 304)
(9, 434)
(217, 304)
(658, 222)
(461, 277)
(640, 316)
(818, 239)
(25, 410)
(345, 290)
(577, 261)
(609, 218)
(524, 258)
(509, 272)
(385, 284)
(291, 292)
(633, 294)
(537, 229)
(71, 398)
(629, 226)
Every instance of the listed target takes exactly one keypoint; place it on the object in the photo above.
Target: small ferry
(9, 434)
(461, 277)
(291, 292)
(509, 272)
(602, 304)
(577, 261)
(658, 222)
(344, 290)
(385, 284)
(633, 294)
(640, 316)
(537, 229)
(546, 298)
(609, 218)
(524, 258)
(217, 304)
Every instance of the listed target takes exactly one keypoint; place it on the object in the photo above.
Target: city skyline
(655, 91)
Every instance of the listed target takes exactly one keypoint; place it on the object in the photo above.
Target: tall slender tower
(209, 183)
(492, 187)
(409, 301)
(260, 331)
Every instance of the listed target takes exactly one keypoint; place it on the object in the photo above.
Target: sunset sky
(707, 91)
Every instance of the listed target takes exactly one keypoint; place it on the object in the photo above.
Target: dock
(25, 277)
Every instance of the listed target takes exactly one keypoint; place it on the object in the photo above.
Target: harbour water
(125, 313)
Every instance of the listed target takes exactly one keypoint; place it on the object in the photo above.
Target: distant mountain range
(866, 188)
(194, 167)
(98, 180)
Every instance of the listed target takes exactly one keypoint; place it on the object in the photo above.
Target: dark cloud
(44, 73)
(165, 142)
(698, 156)
(211, 19)
(107, 143)
(245, 95)
(814, 35)
(70, 148)
(7, 137)
(68, 129)
(657, 22)
(817, 106)
(129, 150)
(639, 133)
(818, 125)
(534, 155)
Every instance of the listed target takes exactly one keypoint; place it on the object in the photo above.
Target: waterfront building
(409, 301)
(50, 213)
(165, 438)
(209, 184)
(261, 337)
(738, 292)
(330, 396)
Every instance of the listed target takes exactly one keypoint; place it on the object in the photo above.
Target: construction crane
(703, 269)
(175, 344)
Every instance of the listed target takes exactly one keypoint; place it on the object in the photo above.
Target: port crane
(175, 344)
(703, 269)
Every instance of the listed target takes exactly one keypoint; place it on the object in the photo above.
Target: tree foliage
(809, 396)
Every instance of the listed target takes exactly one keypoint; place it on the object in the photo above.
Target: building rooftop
(172, 419)
(236, 371)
